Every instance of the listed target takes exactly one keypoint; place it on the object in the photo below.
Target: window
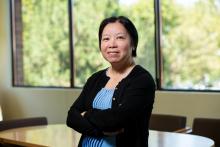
(55, 42)
(41, 47)
(42, 39)
(87, 57)
(190, 46)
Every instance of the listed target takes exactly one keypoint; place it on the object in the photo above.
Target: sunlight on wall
(1, 17)
(1, 118)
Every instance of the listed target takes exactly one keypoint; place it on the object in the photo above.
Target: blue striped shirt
(103, 100)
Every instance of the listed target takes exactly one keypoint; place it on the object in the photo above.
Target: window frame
(158, 50)
(159, 54)
(14, 49)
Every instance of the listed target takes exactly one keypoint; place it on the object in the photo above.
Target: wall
(54, 103)
(27, 102)
(190, 104)
(2, 46)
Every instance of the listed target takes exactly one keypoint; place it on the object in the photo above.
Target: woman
(115, 104)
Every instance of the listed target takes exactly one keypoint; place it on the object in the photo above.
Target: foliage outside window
(191, 44)
(41, 55)
(87, 17)
(41, 52)
(190, 48)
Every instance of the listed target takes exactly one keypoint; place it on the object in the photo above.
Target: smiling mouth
(113, 53)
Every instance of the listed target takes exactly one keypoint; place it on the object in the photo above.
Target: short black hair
(129, 26)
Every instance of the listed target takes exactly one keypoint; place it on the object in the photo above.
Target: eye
(105, 38)
(120, 37)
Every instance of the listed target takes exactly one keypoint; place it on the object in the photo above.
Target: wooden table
(60, 135)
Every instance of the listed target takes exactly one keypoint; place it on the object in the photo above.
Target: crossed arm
(95, 122)
(108, 133)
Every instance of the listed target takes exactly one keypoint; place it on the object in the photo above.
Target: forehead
(114, 28)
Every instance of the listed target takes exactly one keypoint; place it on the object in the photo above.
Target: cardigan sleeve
(137, 98)
(78, 122)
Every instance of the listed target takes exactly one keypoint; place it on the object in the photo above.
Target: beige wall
(190, 104)
(27, 102)
(54, 103)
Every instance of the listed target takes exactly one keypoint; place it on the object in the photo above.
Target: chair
(23, 122)
(169, 123)
(208, 127)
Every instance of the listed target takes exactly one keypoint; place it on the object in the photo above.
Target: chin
(113, 60)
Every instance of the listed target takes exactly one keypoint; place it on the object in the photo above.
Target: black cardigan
(132, 104)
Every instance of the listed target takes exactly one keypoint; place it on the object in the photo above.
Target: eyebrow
(115, 34)
(121, 34)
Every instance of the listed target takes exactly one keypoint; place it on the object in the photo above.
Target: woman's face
(116, 43)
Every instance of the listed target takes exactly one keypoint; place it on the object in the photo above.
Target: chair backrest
(165, 122)
(208, 127)
(23, 122)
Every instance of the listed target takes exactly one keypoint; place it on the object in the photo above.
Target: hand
(114, 133)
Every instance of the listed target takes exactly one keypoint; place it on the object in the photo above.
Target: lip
(112, 52)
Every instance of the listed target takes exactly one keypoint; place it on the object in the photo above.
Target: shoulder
(141, 76)
(97, 75)
(141, 73)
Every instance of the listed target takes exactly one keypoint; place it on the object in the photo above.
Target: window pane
(41, 43)
(87, 17)
(191, 44)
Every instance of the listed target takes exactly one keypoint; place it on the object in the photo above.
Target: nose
(113, 43)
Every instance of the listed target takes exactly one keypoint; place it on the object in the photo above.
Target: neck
(122, 68)
(117, 73)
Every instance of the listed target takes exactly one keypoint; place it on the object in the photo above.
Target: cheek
(126, 48)
(103, 47)
(127, 51)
